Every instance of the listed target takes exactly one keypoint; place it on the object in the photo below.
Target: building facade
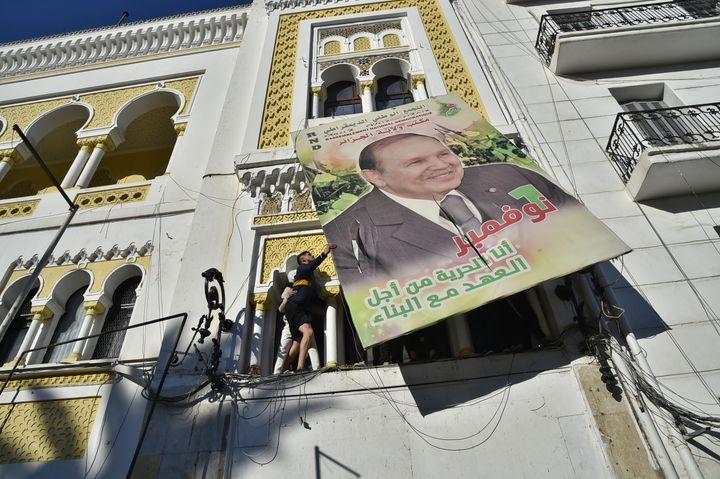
(174, 138)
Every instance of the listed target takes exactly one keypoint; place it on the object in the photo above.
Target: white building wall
(668, 285)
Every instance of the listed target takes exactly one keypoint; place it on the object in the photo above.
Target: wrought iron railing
(634, 132)
(553, 24)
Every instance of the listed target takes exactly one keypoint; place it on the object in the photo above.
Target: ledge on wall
(637, 46)
(676, 170)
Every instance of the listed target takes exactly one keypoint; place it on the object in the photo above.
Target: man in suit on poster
(422, 197)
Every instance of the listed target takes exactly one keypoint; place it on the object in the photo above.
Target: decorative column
(41, 314)
(103, 144)
(180, 132)
(78, 163)
(94, 311)
(331, 337)
(316, 94)
(460, 338)
(419, 92)
(8, 158)
(368, 104)
(261, 301)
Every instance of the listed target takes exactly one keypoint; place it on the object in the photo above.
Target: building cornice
(95, 47)
(271, 5)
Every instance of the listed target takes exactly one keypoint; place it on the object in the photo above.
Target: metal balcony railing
(552, 24)
(636, 131)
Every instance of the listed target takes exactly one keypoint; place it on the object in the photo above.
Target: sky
(25, 19)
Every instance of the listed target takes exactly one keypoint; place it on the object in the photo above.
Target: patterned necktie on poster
(453, 208)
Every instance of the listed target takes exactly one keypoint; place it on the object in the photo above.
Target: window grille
(118, 316)
(14, 336)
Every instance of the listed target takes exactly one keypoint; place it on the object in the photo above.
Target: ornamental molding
(41, 312)
(310, 215)
(103, 105)
(261, 301)
(277, 109)
(277, 249)
(59, 381)
(112, 196)
(18, 209)
(38, 431)
(94, 307)
(99, 264)
(174, 35)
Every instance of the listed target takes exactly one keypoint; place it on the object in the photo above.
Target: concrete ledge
(636, 46)
(676, 170)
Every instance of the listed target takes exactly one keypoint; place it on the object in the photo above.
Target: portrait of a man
(422, 197)
(435, 212)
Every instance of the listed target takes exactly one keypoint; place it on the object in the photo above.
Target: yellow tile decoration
(112, 197)
(100, 271)
(105, 104)
(18, 209)
(276, 250)
(285, 218)
(332, 48)
(275, 127)
(46, 430)
(361, 43)
(58, 381)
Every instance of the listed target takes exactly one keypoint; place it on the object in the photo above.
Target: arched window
(392, 91)
(361, 43)
(391, 40)
(67, 328)
(342, 99)
(332, 48)
(118, 316)
(14, 336)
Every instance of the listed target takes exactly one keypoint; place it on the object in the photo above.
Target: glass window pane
(14, 336)
(109, 345)
(67, 328)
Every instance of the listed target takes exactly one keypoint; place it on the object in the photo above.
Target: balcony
(668, 151)
(636, 36)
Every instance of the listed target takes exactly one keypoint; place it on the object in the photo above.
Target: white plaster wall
(668, 285)
(456, 419)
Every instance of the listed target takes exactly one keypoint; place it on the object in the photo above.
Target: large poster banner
(435, 213)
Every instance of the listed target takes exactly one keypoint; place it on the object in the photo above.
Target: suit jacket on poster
(379, 238)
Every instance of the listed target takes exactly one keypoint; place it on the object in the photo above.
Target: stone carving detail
(138, 41)
(271, 204)
(391, 40)
(105, 105)
(365, 62)
(333, 291)
(112, 197)
(23, 114)
(41, 312)
(275, 128)
(301, 201)
(18, 209)
(261, 301)
(57, 381)
(350, 30)
(46, 430)
(99, 262)
(285, 218)
(276, 250)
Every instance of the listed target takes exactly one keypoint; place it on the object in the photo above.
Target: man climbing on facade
(298, 305)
